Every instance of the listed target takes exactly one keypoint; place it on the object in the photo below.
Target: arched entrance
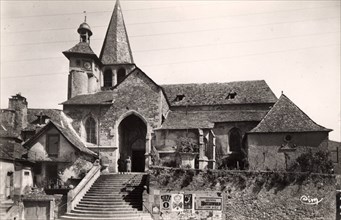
(132, 141)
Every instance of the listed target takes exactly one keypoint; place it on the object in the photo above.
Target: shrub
(318, 162)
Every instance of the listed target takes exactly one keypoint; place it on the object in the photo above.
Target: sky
(293, 45)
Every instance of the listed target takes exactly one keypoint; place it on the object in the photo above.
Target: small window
(121, 73)
(26, 173)
(107, 78)
(231, 95)
(178, 98)
(90, 127)
(52, 145)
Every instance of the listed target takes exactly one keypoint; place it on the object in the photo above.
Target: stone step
(106, 211)
(112, 193)
(108, 197)
(110, 200)
(113, 202)
(109, 206)
(66, 217)
(109, 215)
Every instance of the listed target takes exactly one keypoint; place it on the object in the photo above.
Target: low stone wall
(39, 207)
(243, 194)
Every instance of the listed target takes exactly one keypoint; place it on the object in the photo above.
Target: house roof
(116, 47)
(244, 92)
(206, 119)
(285, 116)
(34, 113)
(10, 150)
(81, 47)
(7, 131)
(99, 98)
(65, 128)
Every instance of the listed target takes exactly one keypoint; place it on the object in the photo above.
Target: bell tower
(84, 65)
(116, 55)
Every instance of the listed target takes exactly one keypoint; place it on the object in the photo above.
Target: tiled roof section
(81, 47)
(33, 114)
(206, 119)
(99, 98)
(6, 131)
(74, 139)
(65, 128)
(242, 92)
(285, 116)
(10, 149)
(116, 47)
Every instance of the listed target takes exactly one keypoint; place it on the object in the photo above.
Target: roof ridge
(212, 83)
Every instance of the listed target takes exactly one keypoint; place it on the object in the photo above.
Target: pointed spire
(116, 47)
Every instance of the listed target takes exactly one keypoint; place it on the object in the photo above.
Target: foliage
(318, 162)
(187, 145)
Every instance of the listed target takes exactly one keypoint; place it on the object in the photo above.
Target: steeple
(116, 47)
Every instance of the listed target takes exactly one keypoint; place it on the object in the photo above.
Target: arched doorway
(132, 141)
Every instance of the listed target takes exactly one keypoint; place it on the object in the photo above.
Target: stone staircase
(112, 196)
(4, 207)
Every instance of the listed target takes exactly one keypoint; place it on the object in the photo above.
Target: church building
(117, 111)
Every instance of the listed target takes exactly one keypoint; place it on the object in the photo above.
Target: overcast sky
(293, 45)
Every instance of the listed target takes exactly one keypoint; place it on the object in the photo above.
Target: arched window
(107, 78)
(90, 128)
(121, 73)
(235, 140)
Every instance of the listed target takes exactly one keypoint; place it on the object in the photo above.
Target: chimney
(18, 104)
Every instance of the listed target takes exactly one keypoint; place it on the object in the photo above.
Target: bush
(318, 162)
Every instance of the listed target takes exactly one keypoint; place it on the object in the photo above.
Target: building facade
(116, 110)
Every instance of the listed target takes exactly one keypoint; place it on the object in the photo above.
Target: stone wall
(6, 171)
(221, 131)
(272, 151)
(244, 194)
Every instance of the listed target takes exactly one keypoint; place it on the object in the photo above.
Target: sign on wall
(208, 203)
(165, 202)
(188, 201)
(177, 202)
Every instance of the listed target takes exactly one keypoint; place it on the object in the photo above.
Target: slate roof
(246, 92)
(285, 116)
(82, 48)
(10, 149)
(6, 131)
(65, 128)
(99, 98)
(33, 113)
(206, 119)
(116, 48)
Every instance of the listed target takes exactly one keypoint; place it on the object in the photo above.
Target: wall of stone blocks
(271, 151)
(221, 131)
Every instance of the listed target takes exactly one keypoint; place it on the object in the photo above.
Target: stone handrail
(76, 194)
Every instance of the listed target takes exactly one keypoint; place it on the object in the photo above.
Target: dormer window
(231, 95)
(179, 98)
